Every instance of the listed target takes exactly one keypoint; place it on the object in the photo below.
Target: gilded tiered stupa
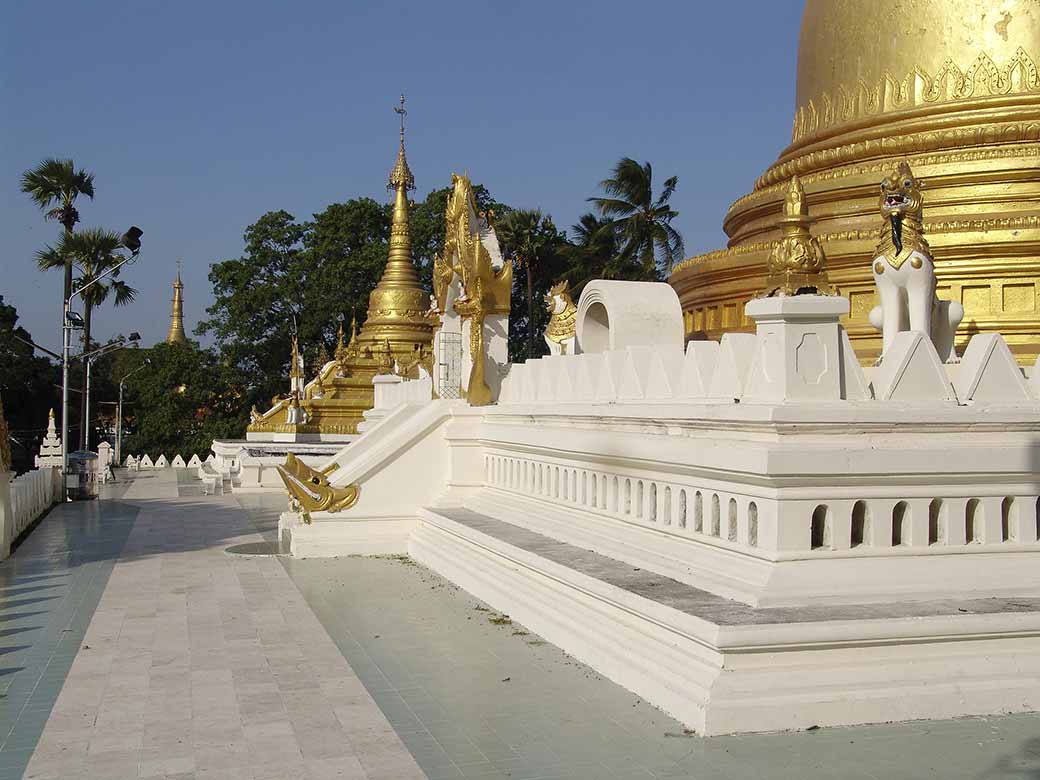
(397, 335)
(176, 333)
(952, 87)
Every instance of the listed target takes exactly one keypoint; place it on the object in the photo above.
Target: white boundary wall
(23, 499)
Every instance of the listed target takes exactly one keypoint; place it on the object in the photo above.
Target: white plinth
(798, 349)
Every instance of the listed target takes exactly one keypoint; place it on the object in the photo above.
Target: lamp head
(73, 319)
(134, 336)
(132, 239)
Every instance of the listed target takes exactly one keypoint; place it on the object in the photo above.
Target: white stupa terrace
(754, 535)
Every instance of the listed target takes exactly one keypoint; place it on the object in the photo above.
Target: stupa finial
(401, 177)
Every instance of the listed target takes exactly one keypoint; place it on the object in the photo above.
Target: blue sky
(196, 118)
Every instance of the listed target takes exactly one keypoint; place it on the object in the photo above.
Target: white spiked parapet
(698, 369)
(736, 353)
(178, 462)
(912, 372)
(988, 373)
(146, 462)
(195, 462)
(161, 462)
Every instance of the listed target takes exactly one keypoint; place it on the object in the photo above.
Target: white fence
(23, 500)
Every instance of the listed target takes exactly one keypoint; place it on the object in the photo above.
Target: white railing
(30, 495)
(704, 512)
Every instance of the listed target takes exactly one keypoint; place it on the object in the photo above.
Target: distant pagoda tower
(397, 334)
(176, 334)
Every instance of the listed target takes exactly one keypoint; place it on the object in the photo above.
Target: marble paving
(200, 664)
(133, 645)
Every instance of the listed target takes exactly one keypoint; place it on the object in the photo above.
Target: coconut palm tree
(54, 186)
(643, 222)
(94, 251)
(531, 240)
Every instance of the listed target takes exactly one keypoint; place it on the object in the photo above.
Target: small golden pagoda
(952, 88)
(176, 334)
(396, 336)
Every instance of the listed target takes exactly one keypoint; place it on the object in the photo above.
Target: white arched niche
(615, 315)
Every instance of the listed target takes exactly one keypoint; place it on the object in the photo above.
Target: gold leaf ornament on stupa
(950, 86)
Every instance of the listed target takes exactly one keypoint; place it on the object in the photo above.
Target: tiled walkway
(199, 664)
(190, 663)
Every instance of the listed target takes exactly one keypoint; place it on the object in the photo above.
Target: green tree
(256, 298)
(346, 248)
(181, 402)
(28, 388)
(533, 243)
(643, 222)
(95, 252)
(54, 185)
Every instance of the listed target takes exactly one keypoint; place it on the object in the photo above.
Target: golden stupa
(176, 334)
(952, 87)
(396, 336)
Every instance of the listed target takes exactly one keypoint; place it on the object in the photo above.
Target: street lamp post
(119, 414)
(132, 241)
(90, 358)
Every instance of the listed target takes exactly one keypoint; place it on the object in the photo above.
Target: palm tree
(594, 252)
(530, 239)
(54, 186)
(643, 223)
(94, 252)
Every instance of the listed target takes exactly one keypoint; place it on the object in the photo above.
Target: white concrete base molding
(719, 677)
(345, 536)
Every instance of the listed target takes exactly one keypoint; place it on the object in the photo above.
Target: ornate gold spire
(176, 334)
(397, 306)
(796, 263)
(401, 175)
(396, 330)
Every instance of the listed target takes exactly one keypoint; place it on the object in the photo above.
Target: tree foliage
(94, 252)
(642, 222)
(28, 386)
(179, 403)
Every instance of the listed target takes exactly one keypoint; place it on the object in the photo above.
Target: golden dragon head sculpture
(311, 490)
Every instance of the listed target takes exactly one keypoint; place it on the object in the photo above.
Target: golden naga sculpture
(797, 262)
(562, 327)
(484, 290)
(953, 88)
(310, 490)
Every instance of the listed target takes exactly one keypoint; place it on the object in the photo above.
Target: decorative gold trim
(906, 145)
(983, 78)
(1031, 222)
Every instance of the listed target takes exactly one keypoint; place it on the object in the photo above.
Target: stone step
(721, 666)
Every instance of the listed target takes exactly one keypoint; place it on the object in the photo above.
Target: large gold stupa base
(953, 88)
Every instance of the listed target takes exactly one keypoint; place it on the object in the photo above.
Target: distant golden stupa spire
(176, 334)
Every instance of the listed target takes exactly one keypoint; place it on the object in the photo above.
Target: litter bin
(81, 481)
